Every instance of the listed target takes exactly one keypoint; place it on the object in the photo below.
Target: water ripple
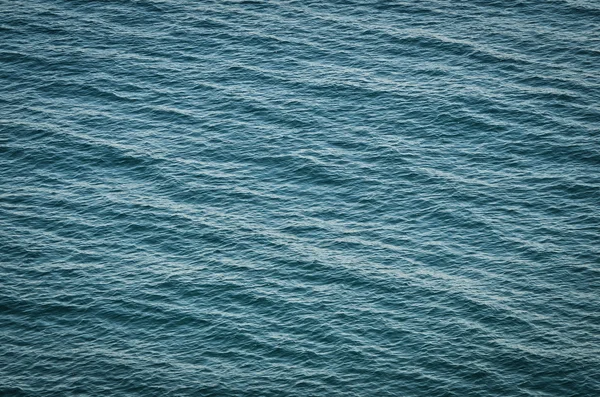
(299, 198)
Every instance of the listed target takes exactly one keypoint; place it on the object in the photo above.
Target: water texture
(296, 198)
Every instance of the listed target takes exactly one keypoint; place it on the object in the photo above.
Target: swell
(237, 198)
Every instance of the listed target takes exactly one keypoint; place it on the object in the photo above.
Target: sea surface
(300, 198)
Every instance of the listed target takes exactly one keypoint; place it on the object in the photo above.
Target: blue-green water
(290, 198)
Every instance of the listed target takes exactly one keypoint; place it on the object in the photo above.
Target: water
(280, 198)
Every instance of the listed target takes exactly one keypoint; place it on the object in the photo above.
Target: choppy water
(281, 198)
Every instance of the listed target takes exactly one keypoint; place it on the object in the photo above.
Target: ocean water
(300, 198)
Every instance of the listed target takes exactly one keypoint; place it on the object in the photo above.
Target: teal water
(286, 198)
